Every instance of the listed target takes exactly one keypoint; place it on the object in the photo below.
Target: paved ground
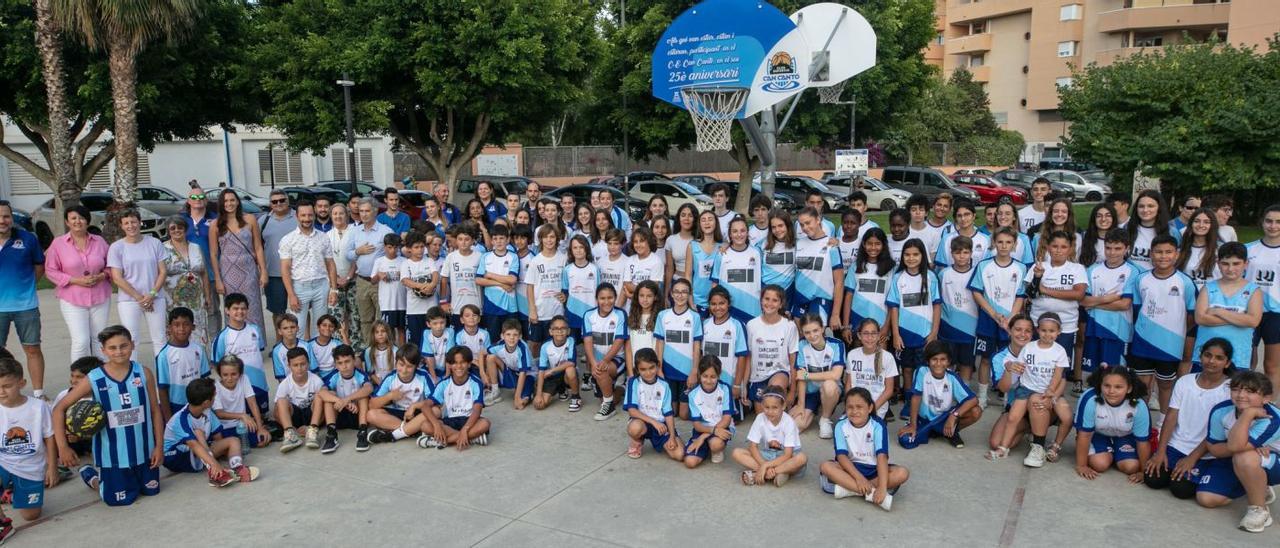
(552, 478)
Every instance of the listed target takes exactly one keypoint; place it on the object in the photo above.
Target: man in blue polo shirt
(447, 210)
(398, 221)
(199, 219)
(21, 263)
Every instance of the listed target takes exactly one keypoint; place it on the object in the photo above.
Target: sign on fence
(851, 161)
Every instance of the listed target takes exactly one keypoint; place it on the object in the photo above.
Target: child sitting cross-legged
(773, 451)
(396, 407)
(194, 440)
(458, 400)
(294, 398)
(345, 399)
(861, 465)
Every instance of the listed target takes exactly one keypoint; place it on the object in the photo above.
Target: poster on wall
(498, 164)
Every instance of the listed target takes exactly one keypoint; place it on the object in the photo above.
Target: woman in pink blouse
(76, 263)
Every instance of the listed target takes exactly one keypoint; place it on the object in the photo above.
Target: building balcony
(962, 11)
(981, 74)
(1171, 14)
(974, 43)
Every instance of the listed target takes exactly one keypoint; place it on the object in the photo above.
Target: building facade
(1023, 50)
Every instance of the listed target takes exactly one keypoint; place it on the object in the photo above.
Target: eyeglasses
(196, 197)
(280, 201)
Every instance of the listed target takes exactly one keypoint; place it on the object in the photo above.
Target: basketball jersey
(756, 234)
(126, 440)
(516, 359)
(579, 285)
(819, 360)
(726, 341)
(1116, 325)
(412, 391)
(1193, 268)
(380, 363)
(816, 263)
(709, 407)
(498, 301)
(176, 367)
(862, 444)
(182, 428)
(1039, 365)
(1126, 419)
(1140, 253)
(323, 354)
(914, 304)
(779, 265)
(868, 291)
(981, 244)
(860, 370)
(522, 293)
(929, 236)
(1264, 431)
(436, 348)
(457, 400)
(959, 311)
(345, 386)
(460, 270)
(703, 269)
(550, 354)
(1264, 265)
(1000, 286)
(939, 395)
(246, 343)
(848, 251)
(771, 347)
(738, 272)
(477, 342)
(1163, 306)
(1062, 277)
(679, 332)
(603, 329)
(652, 399)
(544, 275)
(1241, 338)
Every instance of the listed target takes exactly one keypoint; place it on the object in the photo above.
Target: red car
(991, 191)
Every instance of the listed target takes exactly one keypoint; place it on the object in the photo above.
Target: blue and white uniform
(1117, 429)
(1022, 252)
(1001, 286)
(380, 363)
(579, 285)
(182, 427)
(280, 360)
(1163, 306)
(1140, 252)
(727, 341)
(122, 449)
(412, 391)
(868, 290)
(1264, 267)
(739, 273)
(756, 234)
(551, 354)
(345, 386)
(514, 362)
(478, 342)
(816, 264)
(861, 372)
(938, 398)
(772, 347)
(914, 298)
(703, 271)
(176, 367)
(709, 408)
(1219, 476)
(959, 310)
(1109, 331)
(498, 301)
(602, 330)
(679, 333)
(862, 445)
(653, 400)
(981, 244)
(457, 401)
(434, 349)
(322, 353)
(779, 265)
(246, 343)
(819, 360)
(1241, 338)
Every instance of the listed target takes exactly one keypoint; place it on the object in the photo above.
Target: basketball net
(713, 111)
(831, 95)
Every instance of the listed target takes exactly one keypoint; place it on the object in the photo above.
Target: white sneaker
(842, 493)
(824, 428)
(1035, 458)
(313, 437)
(982, 399)
(291, 441)
(1271, 495)
(717, 458)
(428, 442)
(492, 395)
(1256, 519)
(886, 504)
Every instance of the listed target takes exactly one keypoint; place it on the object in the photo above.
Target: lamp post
(346, 84)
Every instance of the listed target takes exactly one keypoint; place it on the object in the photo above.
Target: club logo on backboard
(782, 73)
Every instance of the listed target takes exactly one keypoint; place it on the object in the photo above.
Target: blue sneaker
(89, 475)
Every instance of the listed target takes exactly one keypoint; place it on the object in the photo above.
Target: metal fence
(588, 161)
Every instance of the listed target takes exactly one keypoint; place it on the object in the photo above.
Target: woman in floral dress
(187, 282)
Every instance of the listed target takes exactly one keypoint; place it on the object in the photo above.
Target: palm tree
(49, 43)
(123, 28)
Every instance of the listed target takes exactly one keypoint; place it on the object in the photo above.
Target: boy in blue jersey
(244, 340)
(286, 340)
(1231, 306)
(959, 310)
(511, 362)
(861, 465)
(1164, 302)
(126, 451)
(345, 399)
(28, 461)
(711, 410)
(1244, 435)
(398, 407)
(1109, 302)
(648, 403)
(179, 362)
(497, 274)
(556, 368)
(941, 403)
(460, 400)
(436, 341)
(194, 440)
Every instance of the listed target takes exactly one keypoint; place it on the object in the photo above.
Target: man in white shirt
(307, 269)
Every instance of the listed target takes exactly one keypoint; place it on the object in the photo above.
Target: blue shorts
(183, 462)
(509, 379)
(705, 450)
(1120, 447)
(756, 389)
(1068, 343)
(679, 390)
(26, 493)
(962, 354)
(1021, 393)
(774, 454)
(455, 423)
(1268, 332)
(1099, 352)
(539, 331)
(121, 486)
(866, 470)
(1219, 478)
(821, 307)
(925, 430)
(393, 318)
(27, 322)
(655, 439)
(910, 357)
(277, 297)
(987, 346)
(397, 413)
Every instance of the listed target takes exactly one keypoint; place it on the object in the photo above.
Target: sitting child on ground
(236, 407)
(458, 400)
(648, 402)
(711, 410)
(194, 440)
(1244, 435)
(941, 403)
(861, 465)
(396, 407)
(1113, 425)
(294, 401)
(345, 398)
(773, 450)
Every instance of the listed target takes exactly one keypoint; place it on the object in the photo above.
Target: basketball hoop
(831, 95)
(713, 110)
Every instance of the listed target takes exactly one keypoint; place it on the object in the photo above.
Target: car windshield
(96, 203)
(814, 183)
(692, 190)
(875, 184)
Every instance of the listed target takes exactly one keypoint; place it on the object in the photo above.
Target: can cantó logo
(782, 73)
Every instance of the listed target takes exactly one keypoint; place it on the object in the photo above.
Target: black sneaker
(362, 440)
(330, 442)
(956, 441)
(562, 396)
(1078, 388)
(888, 417)
(607, 409)
(381, 436)
(575, 403)
(588, 382)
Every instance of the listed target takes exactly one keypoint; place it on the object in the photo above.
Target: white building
(247, 158)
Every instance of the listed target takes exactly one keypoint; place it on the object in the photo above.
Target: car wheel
(1005, 200)
(44, 235)
(888, 205)
(1093, 197)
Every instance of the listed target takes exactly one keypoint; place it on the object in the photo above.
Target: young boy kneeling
(193, 440)
(346, 400)
(459, 399)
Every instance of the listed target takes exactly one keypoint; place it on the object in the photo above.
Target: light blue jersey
(709, 407)
(176, 367)
(458, 399)
(981, 244)
(1001, 286)
(1163, 306)
(126, 439)
(1116, 325)
(1093, 414)
(516, 360)
(939, 395)
(322, 354)
(864, 444)
(820, 360)
(868, 290)
(1241, 338)
(703, 270)
(182, 428)
(434, 349)
(914, 298)
(498, 301)
(579, 285)
(726, 341)
(998, 361)
(779, 265)
(280, 364)
(1022, 252)
(246, 343)
(602, 330)
(551, 355)
(738, 272)
(651, 399)
(816, 264)
(345, 386)
(959, 310)
(680, 332)
(412, 391)
(478, 342)
(1263, 432)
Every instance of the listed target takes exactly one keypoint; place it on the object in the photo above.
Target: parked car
(633, 178)
(503, 185)
(297, 193)
(582, 193)
(365, 189)
(1097, 176)
(700, 182)
(22, 219)
(991, 191)
(797, 188)
(250, 203)
(159, 200)
(924, 180)
(1020, 178)
(411, 202)
(974, 171)
(1080, 188)
(1066, 164)
(46, 217)
(677, 194)
(879, 195)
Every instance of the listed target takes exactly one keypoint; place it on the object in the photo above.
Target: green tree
(957, 113)
(123, 28)
(183, 89)
(1202, 117)
(443, 77)
(903, 28)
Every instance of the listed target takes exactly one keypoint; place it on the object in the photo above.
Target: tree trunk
(49, 43)
(747, 166)
(122, 59)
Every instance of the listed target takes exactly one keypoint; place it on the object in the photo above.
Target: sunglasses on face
(196, 197)
(280, 201)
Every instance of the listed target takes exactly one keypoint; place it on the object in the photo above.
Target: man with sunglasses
(1189, 205)
(199, 219)
(275, 225)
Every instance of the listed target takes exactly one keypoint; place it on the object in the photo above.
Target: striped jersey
(738, 272)
(914, 298)
(779, 265)
(515, 360)
(868, 290)
(816, 263)
(1116, 325)
(1094, 414)
(709, 407)
(127, 439)
(679, 331)
(1163, 306)
(458, 399)
(579, 283)
(862, 444)
(726, 341)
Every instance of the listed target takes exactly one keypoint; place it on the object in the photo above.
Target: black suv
(924, 180)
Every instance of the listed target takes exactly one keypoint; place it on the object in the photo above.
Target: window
(1000, 117)
(1148, 40)
(1067, 49)
(364, 164)
(939, 39)
(1071, 12)
(279, 165)
(979, 27)
(977, 60)
(1064, 82)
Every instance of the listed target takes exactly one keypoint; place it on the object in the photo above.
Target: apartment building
(1023, 50)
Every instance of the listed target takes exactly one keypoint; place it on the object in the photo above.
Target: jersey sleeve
(834, 256)
(544, 360)
(756, 434)
(839, 350)
(881, 436)
(660, 330)
(385, 387)
(740, 340)
(697, 329)
(841, 444)
(477, 391)
(1217, 432)
(959, 389)
(934, 289)
(1141, 421)
(437, 395)
(918, 382)
(1130, 290)
(1087, 414)
(976, 280)
(893, 299)
(629, 399)
(727, 400)
(204, 362)
(666, 401)
(800, 361)
(482, 268)
(219, 346)
(793, 339)
(695, 414)
(162, 369)
(1189, 293)
(621, 330)
(1022, 275)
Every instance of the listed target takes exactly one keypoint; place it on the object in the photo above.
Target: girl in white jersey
(1005, 371)
(645, 264)
(1198, 252)
(737, 271)
(1181, 457)
(773, 342)
(861, 465)
(866, 282)
(1150, 219)
(642, 320)
(604, 339)
(872, 368)
(1093, 245)
(779, 252)
(819, 370)
(1113, 425)
(613, 265)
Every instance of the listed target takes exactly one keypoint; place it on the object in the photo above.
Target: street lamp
(346, 84)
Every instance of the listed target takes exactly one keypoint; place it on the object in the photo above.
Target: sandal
(634, 449)
(1051, 452)
(749, 477)
(998, 453)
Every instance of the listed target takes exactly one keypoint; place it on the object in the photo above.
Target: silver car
(1082, 189)
(159, 200)
(48, 223)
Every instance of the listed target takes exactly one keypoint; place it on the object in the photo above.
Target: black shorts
(277, 297)
(301, 416)
(539, 332)
(393, 318)
(679, 391)
(1268, 332)
(553, 384)
(1163, 370)
(347, 419)
(962, 354)
(455, 423)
